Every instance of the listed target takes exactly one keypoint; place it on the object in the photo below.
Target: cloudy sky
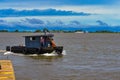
(60, 14)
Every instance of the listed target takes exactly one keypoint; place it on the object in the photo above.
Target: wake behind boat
(37, 44)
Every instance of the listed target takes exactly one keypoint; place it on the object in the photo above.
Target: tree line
(59, 31)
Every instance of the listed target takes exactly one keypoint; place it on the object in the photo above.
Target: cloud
(34, 21)
(4, 23)
(59, 22)
(93, 9)
(56, 23)
(1, 21)
(78, 6)
(101, 23)
(37, 12)
(75, 22)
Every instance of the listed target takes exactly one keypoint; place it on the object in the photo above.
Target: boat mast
(45, 30)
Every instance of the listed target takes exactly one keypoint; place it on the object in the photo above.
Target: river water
(88, 56)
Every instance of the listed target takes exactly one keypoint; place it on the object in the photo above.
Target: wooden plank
(6, 70)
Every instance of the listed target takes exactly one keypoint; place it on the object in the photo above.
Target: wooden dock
(6, 70)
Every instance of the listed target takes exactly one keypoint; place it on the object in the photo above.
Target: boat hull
(30, 50)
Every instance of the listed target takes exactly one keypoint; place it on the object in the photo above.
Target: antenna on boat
(45, 30)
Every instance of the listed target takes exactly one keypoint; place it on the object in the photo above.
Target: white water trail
(8, 53)
(54, 53)
(11, 53)
(64, 52)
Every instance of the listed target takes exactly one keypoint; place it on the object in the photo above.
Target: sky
(60, 14)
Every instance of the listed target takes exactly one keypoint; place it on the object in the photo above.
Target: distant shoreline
(58, 31)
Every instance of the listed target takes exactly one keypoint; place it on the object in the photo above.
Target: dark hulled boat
(37, 44)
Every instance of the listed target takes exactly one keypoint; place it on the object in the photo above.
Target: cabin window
(32, 38)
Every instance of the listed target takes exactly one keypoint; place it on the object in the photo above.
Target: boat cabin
(38, 41)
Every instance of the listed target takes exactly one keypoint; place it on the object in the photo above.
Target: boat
(6, 70)
(37, 44)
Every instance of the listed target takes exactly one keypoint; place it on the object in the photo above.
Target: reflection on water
(47, 58)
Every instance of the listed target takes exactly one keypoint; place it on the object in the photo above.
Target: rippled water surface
(89, 57)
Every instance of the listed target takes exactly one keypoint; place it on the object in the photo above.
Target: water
(88, 57)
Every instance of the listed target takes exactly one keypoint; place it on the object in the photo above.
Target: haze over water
(89, 57)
